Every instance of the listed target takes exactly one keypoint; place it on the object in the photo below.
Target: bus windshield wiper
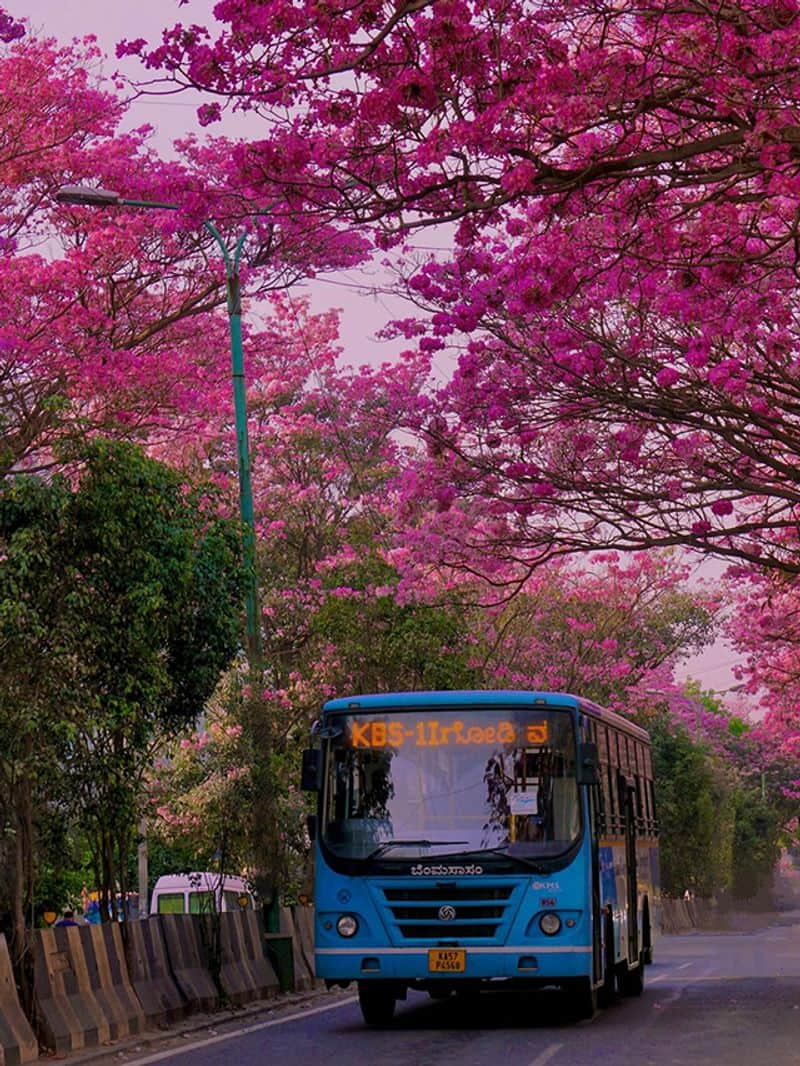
(381, 848)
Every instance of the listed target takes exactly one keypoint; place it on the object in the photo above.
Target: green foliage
(156, 598)
(709, 699)
(385, 646)
(201, 789)
(40, 678)
(119, 608)
(166, 856)
(720, 832)
(756, 845)
(64, 861)
(737, 726)
(696, 811)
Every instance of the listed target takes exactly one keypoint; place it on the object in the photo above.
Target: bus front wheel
(377, 1001)
(583, 998)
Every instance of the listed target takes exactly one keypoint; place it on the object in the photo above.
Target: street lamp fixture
(86, 196)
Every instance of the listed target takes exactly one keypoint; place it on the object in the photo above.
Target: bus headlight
(348, 926)
(550, 923)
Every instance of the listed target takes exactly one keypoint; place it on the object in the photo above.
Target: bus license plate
(447, 960)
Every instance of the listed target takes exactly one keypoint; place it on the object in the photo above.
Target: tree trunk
(19, 884)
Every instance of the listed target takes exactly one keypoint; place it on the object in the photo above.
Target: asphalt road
(727, 999)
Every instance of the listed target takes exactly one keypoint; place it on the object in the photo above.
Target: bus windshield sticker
(524, 803)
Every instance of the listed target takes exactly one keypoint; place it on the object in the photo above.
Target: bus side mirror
(310, 777)
(588, 773)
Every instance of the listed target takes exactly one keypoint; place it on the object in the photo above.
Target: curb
(152, 1040)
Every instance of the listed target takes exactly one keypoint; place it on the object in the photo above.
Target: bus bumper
(483, 964)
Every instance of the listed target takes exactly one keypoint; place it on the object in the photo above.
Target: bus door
(628, 806)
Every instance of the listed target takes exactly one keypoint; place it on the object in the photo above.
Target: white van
(200, 893)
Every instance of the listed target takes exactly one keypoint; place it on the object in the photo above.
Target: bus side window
(620, 790)
(647, 785)
(602, 792)
(613, 769)
(635, 749)
(603, 761)
(640, 813)
(645, 800)
(613, 738)
(602, 744)
(624, 756)
(653, 807)
(602, 824)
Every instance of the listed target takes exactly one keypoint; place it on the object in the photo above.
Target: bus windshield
(411, 785)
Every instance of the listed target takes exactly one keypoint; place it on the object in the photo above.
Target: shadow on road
(721, 1021)
(548, 1008)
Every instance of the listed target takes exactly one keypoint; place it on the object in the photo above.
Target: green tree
(386, 646)
(119, 609)
(756, 846)
(695, 796)
(157, 603)
(39, 679)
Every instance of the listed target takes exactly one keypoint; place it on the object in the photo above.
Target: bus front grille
(447, 911)
(453, 931)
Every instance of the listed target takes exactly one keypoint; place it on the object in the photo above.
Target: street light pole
(231, 259)
(234, 291)
(87, 196)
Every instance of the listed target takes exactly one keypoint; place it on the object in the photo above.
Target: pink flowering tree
(116, 330)
(323, 452)
(348, 606)
(621, 185)
(764, 628)
(102, 309)
(199, 788)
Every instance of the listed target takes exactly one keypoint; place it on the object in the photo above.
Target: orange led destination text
(433, 734)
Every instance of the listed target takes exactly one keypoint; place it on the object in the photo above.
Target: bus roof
(465, 698)
(483, 698)
(612, 718)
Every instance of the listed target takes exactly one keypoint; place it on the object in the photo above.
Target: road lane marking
(664, 976)
(546, 1055)
(193, 1046)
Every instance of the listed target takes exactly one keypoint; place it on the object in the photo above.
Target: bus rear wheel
(631, 979)
(647, 937)
(377, 1001)
(607, 992)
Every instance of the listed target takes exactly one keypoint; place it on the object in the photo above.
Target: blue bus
(466, 840)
